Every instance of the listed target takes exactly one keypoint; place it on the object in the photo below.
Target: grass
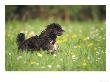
(81, 48)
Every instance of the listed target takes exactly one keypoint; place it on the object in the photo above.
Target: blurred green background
(62, 12)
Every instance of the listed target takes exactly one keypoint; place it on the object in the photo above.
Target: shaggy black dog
(45, 41)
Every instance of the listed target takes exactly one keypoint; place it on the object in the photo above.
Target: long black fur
(44, 41)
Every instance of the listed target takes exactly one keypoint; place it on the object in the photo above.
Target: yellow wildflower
(87, 38)
(32, 62)
(84, 64)
(78, 46)
(74, 36)
(90, 44)
(61, 40)
(30, 34)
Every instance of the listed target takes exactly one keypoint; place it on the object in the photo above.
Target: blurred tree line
(76, 12)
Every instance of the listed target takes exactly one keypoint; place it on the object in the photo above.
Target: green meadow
(82, 47)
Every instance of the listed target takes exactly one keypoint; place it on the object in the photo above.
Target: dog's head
(55, 29)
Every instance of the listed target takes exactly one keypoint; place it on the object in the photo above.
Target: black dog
(45, 41)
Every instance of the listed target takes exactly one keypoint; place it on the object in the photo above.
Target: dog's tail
(20, 38)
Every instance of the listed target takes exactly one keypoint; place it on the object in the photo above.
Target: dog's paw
(53, 48)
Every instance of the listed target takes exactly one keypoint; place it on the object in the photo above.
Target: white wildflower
(37, 63)
(40, 55)
(58, 66)
(19, 57)
(42, 67)
(9, 54)
(54, 55)
(49, 66)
